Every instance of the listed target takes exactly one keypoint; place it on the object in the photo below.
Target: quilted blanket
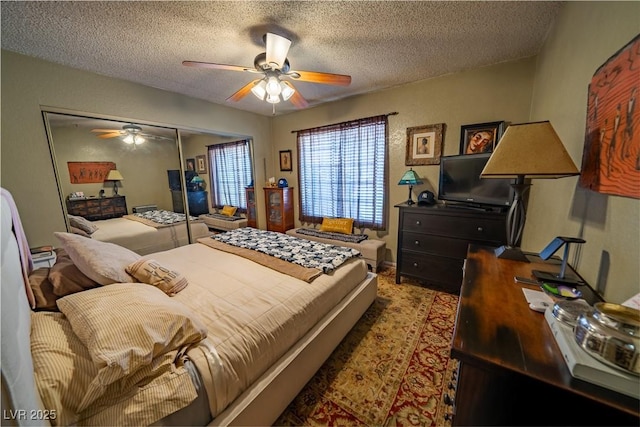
(307, 253)
(160, 218)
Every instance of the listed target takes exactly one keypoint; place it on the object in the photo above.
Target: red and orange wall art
(89, 172)
(611, 158)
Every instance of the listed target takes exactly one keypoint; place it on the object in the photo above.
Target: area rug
(392, 369)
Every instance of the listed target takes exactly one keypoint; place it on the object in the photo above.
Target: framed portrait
(285, 160)
(424, 145)
(201, 164)
(480, 137)
(191, 164)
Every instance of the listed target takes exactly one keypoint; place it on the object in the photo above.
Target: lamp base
(510, 252)
(410, 202)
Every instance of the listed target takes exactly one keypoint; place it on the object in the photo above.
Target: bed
(267, 332)
(145, 237)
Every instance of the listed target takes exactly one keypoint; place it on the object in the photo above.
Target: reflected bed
(145, 239)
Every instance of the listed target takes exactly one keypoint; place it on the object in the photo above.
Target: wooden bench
(218, 223)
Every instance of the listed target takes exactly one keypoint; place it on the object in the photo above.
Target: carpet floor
(392, 369)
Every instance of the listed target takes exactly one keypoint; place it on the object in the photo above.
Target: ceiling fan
(273, 65)
(132, 134)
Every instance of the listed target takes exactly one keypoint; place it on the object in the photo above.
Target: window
(230, 172)
(342, 172)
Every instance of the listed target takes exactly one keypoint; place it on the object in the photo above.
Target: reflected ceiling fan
(273, 66)
(132, 134)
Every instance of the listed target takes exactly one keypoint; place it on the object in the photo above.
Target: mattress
(253, 314)
(144, 239)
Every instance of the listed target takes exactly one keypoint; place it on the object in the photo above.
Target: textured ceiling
(380, 44)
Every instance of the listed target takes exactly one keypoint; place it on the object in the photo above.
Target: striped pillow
(151, 272)
(126, 328)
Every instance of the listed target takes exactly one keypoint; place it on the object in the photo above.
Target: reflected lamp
(526, 151)
(410, 178)
(115, 176)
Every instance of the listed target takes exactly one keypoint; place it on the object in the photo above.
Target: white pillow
(102, 262)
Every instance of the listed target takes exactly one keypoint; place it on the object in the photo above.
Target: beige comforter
(144, 239)
(253, 314)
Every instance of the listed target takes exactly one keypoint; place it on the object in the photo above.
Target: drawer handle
(415, 264)
(480, 229)
(418, 222)
(417, 242)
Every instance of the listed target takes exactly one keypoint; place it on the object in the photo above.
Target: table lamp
(410, 178)
(526, 151)
(115, 176)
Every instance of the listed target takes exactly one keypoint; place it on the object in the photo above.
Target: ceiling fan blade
(322, 78)
(277, 49)
(297, 99)
(109, 135)
(244, 91)
(105, 130)
(216, 66)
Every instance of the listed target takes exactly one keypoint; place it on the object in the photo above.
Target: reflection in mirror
(114, 181)
(223, 168)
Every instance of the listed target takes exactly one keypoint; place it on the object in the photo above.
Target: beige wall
(30, 85)
(586, 34)
(500, 92)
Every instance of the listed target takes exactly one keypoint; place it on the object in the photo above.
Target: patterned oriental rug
(392, 369)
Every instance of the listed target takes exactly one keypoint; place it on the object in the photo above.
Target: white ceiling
(379, 43)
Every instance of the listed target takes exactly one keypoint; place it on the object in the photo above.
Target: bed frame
(261, 404)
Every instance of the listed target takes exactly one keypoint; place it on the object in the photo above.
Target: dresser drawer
(464, 227)
(430, 268)
(435, 245)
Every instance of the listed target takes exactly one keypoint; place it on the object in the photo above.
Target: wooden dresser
(433, 240)
(98, 208)
(279, 204)
(511, 369)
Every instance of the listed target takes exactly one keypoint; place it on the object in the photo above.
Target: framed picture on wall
(201, 164)
(480, 138)
(285, 161)
(424, 145)
(191, 164)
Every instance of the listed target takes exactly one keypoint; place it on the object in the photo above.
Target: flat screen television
(174, 179)
(460, 183)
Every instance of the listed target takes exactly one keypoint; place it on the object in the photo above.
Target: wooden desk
(511, 370)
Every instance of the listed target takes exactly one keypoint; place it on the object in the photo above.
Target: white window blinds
(230, 172)
(342, 172)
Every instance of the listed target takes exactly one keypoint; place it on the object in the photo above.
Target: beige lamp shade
(532, 150)
(114, 175)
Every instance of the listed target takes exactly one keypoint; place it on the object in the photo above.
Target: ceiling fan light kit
(274, 65)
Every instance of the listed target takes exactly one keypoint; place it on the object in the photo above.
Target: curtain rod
(348, 121)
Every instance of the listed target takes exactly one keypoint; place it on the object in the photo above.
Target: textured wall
(585, 35)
